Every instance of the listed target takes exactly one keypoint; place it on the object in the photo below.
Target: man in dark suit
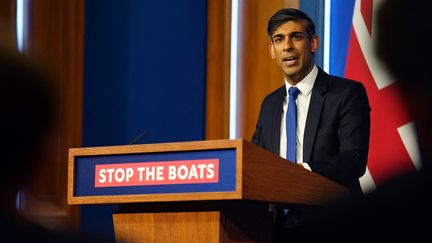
(331, 136)
(315, 120)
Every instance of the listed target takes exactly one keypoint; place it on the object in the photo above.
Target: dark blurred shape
(28, 106)
(403, 45)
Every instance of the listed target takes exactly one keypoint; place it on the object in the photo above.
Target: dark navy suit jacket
(336, 136)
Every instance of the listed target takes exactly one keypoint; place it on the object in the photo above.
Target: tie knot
(293, 91)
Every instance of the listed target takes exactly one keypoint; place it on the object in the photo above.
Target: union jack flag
(393, 146)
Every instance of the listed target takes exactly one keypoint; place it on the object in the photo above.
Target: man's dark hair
(290, 14)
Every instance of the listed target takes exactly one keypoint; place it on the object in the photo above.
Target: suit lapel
(314, 113)
(276, 122)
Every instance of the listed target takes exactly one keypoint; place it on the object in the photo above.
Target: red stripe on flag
(388, 156)
(366, 12)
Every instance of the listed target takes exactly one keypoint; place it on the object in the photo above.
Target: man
(316, 120)
(331, 134)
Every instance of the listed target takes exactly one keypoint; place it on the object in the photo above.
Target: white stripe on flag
(367, 183)
(381, 76)
(408, 135)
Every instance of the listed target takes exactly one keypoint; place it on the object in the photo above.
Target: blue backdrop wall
(340, 26)
(341, 12)
(144, 70)
(315, 11)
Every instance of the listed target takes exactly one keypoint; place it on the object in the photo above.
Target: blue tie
(291, 124)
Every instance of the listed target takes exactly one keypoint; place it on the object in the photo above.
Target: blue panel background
(315, 10)
(144, 70)
(340, 27)
(85, 172)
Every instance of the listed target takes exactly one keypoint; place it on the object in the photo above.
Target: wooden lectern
(204, 191)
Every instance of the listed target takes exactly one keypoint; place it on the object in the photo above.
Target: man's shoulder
(342, 83)
(325, 81)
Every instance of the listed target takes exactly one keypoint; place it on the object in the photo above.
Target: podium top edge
(163, 147)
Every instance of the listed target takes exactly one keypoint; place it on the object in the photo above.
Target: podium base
(203, 226)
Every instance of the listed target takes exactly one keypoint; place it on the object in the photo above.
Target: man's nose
(287, 45)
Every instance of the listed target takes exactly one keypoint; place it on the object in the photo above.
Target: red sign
(157, 173)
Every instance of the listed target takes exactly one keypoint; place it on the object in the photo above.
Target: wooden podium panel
(168, 227)
(203, 191)
(226, 222)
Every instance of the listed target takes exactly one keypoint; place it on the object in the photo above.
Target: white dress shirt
(302, 101)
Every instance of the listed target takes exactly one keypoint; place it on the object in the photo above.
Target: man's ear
(315, 41)
(272, 50)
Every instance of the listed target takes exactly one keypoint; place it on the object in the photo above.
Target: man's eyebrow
(290, 34)
(277, 35)
(297, 32)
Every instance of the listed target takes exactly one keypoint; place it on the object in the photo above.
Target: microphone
(137, 138)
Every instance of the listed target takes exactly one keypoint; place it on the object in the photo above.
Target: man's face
(293, 50)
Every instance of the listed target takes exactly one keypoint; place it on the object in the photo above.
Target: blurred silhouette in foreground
(27, 105)
(402, 208)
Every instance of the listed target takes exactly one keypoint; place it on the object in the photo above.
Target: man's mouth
(291, 60)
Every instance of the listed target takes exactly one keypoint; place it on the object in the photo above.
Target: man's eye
(297, 37)
(277, 40)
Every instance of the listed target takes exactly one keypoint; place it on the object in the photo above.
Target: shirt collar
(305, 85)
